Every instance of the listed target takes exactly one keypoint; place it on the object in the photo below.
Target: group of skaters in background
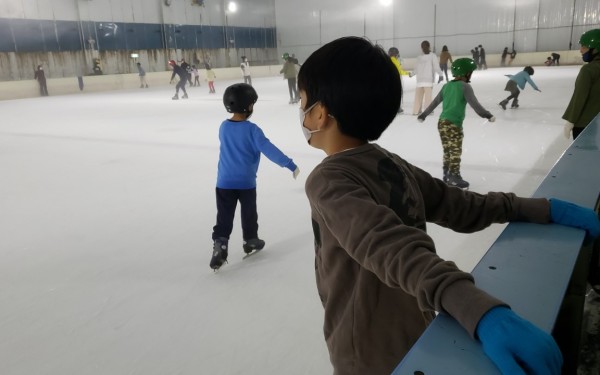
(510, 55)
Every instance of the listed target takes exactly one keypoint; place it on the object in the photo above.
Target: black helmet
(238, 97)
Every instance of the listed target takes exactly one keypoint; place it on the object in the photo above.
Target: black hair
(444, 48)
(529, 70)
(363, 106)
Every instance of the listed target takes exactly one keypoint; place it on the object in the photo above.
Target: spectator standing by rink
(584, 105)
(210, 78)
(245, 66)
(289, 72)
(514, 83)
(426, 68)
(142, 74)
(482, 63)
(183, 78)
(504, 56)
(41, 78)
(445, 56)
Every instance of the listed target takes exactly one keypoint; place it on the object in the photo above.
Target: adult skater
(482, 62)
(555, 58)
(41, 78)
(515, 82)
(183, 77)
(142, 74)
(394, 54)
(585, 101)
(455, 95)
(245, 66)
(188, 69)
(503, 56)
(377, 272)
(445, 56)
(289, 72)
(242, 143)
(426, 68)
(475, 53)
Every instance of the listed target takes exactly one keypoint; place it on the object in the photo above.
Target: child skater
(242, 142)
(377, 272)
(514, 83)
(455, 95)
(394, 54)
(210, 77)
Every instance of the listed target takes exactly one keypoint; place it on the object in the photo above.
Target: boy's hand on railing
(572, 215)
(516, 346)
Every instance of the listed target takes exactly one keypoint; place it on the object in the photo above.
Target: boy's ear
(323, 116)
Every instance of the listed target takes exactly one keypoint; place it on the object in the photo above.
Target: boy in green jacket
(378, 275)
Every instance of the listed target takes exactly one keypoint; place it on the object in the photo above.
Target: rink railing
(537, 269)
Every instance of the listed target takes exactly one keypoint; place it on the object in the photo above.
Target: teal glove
(516, 346)
(572, 215)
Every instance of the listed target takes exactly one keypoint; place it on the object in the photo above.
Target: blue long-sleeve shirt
(521, 79)
(242, 142)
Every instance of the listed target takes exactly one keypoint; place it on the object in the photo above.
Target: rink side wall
(108, 82)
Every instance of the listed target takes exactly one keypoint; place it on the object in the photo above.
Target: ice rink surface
(107, 207)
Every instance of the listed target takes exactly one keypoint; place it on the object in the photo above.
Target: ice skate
(142, 86)
(457, 180)
(184, 96)
(176, 97)
(503, 104)
(146, 86)
(255, 244)
(219, 256)
(514, 105)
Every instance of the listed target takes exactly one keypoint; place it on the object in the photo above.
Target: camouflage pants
(452, 139)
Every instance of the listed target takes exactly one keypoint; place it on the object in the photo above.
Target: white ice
(107, 207)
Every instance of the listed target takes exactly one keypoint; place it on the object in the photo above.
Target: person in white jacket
(425, 70)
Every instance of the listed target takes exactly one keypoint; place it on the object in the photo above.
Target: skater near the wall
(142, 74)
(183, 78)
(394, 54)
(378, 276)
(426, 68)
(515, 82)
(504, 56)
(245, 66)
(41, 78)
(555, 58)
(445, 56)
(188, 69)
(482, 63)
(242, 143)
(584, 105)
(455, 95)
(196, 75)
(210, 78)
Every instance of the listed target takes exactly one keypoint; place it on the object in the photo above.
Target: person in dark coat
(482, 64)
(183, 77)
(188, 70)
(504, 55)
(555, 58)
(41, 78)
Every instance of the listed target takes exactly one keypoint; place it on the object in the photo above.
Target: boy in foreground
(378, 275)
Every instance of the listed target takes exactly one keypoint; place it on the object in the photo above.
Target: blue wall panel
(49, 36)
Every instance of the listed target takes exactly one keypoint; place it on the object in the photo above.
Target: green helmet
(591, 39)
(285, 56)
(462, 67)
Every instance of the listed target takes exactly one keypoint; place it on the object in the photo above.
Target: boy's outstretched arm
(438, 99)
(516, 346)
(474, 103)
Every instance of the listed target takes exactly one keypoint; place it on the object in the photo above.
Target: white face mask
(307, 132)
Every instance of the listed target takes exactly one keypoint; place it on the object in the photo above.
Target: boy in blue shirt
(455, 95)
(519, 79)
(242, 142)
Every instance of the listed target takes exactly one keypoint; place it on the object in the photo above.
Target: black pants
(180, 85)
(292, 89)
(226, 204)
(514, 91)
(43, 88)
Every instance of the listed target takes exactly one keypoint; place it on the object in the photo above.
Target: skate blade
(252, 253)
